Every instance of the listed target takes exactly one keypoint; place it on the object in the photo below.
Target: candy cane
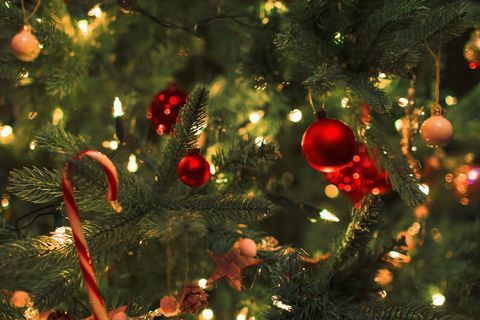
(96, 301)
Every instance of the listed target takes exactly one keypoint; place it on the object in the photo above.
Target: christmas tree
(263, 159)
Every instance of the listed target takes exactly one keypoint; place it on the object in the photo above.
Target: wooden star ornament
(230, 265)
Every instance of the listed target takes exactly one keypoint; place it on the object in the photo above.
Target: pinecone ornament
(194, 299)
(60, 315)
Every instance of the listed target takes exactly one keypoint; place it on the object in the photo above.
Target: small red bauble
(193, 169)
(328, 145)
(25, 46)
(436, 131)
(248, 248)
(164, 109)
(360, 177)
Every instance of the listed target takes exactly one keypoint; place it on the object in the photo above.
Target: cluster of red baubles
(164, 110)
(329, 146)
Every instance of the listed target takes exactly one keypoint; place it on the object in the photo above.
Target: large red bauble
(328, 145)
(193, 170)
(360, 177)
(164, 109)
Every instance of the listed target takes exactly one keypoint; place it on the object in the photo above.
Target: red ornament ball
(328, 145)
(25, 46)
(360, 177)
(193, 170)
(248, 248)
(436, 131)
(164, 109)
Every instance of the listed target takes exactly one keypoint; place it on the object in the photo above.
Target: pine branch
(35, 185)
(7, 311)
(360, 232)
(380, 309)
(228, 208)
(366, 90)
(58, 141)
(192, 121)
(395, 164)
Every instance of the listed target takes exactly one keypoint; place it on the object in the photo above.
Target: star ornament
(231, 265)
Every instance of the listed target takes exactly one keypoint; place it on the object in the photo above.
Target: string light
(255, 117)
(5, 202)
(117, 108)
(403, 102)
(328, 216)
(279, 304)
(331, 191)
(202, 283)
(382, 75)
(83, 27)
(95, 11)
(295, 115)
(6, 131)
(259, 141)
(345, 103)
(207, 314)
(212, 169)
(242, 315)
(399, 124)
(60, 235)
(132, 165)
(438, 299)
(33, 145)
(112, 144)
(57, 116)
(424, 188)
(450, 100)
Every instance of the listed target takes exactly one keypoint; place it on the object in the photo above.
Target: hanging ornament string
(316, 112)
(436, 109)
(96, 301)
(24, 12)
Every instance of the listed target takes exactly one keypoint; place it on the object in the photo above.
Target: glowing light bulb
(403, 102)
(60, 235)
(328, 216)
(33, 145)
(254, 117)
(117, 108)
(295, 115)
(472, 175)
(5, 202)
(212, 169)
(395, 254)
(57, 116)
(331, 191)
(382, 75)
(6, 131)
(207, 314)
(424, 188)
(259, 141)
(202, 283)
(83, 27)
(438, 299)
(345, 102)
(132, 165)
(450, 100)
(279, 304)
(95, 11)
(398, 124)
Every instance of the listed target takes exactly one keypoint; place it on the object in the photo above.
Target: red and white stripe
(96, 302)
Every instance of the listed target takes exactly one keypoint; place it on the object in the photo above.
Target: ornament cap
(321, 114)
(191, 151)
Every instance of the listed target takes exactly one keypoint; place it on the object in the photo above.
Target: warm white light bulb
(83, 26)
(95, 11)
(295, 115)
(207, 314)
(6, 131)
(132, 165)
(328, 216)
(57, 116)
(438, 299)
(254, 117)
(117, 107)
(202, 283)
(424, 188)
